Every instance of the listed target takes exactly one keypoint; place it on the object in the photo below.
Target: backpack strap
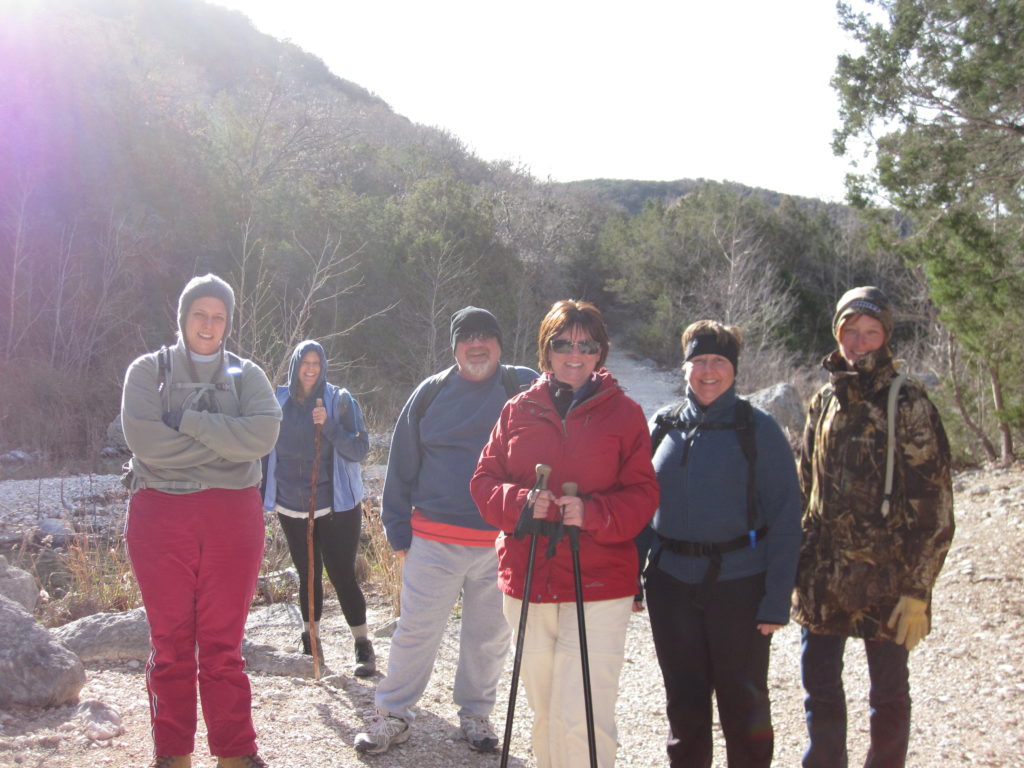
(163, 375)
(235, 372)
(665, 423)
(744, 420)
(890, 451)
(430, 391)
(510, 380)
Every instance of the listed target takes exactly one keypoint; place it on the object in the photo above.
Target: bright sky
(734, 90)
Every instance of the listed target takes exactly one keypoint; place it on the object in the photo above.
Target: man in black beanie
(432, 522)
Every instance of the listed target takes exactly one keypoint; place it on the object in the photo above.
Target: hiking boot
(246, 761)
(307, 646)
(476, 729)
(171, 761)
(382, 731)
(366, 659)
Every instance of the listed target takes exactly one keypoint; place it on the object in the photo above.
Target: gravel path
(967, 677)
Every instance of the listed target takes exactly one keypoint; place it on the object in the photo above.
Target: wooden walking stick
(573, 532)
(314, 640)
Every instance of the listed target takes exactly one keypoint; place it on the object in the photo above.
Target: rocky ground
(967, 676)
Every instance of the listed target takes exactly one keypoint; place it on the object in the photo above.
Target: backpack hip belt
(711, 550)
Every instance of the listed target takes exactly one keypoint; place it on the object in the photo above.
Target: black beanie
(470, 320)
(205, 285)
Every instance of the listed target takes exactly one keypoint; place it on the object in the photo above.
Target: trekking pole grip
(525, 523)
(543, 473)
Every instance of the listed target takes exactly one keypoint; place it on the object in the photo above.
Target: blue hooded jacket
(340, 482)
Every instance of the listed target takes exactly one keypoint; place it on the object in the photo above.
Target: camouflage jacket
(854, 562)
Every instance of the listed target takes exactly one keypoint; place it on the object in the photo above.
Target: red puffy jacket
(603, 445)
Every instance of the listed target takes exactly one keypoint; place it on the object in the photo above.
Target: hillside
(151, 140)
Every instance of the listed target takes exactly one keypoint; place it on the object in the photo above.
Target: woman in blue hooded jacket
(339, 490)
(723, 549)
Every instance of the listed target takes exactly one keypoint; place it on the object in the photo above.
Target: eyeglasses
(477, 337)
(584, 346)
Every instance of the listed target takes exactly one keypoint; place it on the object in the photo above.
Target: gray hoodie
(219, 447)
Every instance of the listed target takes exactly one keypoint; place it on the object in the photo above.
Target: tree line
(149, 140)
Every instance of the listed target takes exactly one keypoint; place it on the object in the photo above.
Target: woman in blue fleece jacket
(339, 490)
(720, 564)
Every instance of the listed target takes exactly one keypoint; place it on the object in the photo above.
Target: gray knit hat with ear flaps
(197, 288)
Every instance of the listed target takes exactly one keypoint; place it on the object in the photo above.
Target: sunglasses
(477, 337)
(584, 346)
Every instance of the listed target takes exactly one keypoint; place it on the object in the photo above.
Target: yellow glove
(910, 619)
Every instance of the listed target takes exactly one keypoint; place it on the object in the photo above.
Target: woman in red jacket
(577, 420)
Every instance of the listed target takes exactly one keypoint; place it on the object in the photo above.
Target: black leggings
(335, 543)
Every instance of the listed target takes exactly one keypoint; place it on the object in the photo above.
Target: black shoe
(366, 659)
(307, 647)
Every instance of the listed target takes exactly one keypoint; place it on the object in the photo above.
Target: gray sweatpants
(434, 575)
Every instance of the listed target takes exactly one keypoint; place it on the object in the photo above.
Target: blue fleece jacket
(345, 443)
(705, 500)
(433, 458)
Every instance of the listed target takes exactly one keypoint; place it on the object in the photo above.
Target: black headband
(708, 344)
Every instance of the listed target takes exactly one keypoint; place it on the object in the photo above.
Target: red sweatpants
(196, 557)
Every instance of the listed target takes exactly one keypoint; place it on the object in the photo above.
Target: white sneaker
(476, 729)
(381, 732)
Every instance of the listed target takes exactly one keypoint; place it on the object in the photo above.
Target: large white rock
(783, 403)
(35, 670)
(18, 585)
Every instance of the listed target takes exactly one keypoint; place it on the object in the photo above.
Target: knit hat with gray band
(205, 285)
(865, 300)
(708, 344)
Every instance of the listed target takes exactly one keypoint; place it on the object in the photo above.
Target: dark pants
(717, 648)
(821, 666)
(335, 543)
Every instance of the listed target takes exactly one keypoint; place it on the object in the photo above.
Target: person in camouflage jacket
(866, 571)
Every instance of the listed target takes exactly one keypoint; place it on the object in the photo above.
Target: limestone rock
(98, 721)
(35, 670)
(107, 636)
(784, 405)
(18, 585)
(119, 636)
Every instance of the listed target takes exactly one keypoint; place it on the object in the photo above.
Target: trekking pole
(543, 470)
(573, 532)
(314, 640)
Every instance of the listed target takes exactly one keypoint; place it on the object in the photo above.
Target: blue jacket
(344, 431)
(705, 500)
(433, 458)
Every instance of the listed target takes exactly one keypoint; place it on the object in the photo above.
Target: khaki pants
(552, 674)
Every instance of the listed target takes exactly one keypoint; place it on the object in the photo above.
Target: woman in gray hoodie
(197, 420)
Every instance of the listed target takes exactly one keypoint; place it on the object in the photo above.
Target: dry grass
(384, 565)
(91, 574)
